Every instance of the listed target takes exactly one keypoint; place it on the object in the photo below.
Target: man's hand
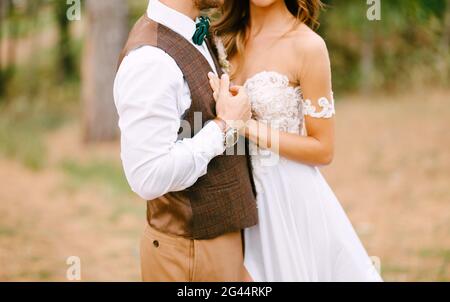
(232, 104)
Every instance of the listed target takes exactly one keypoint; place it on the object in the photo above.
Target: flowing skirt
(303, 233)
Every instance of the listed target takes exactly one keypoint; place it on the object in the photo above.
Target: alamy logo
(73, 273)
(376, 261)
(74, 10)
(374, 11)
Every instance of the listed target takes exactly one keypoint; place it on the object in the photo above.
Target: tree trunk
(106, 32)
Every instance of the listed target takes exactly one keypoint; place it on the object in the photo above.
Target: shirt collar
(171, 18)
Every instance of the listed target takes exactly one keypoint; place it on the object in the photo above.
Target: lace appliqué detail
(274, 102)
(281, 107)
(328, 109)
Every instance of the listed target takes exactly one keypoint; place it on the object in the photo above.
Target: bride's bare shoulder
(310, 52)
(307, 42)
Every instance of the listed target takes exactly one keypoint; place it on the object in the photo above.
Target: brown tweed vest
(222, 201)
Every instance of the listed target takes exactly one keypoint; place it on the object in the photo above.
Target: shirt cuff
(208, 141)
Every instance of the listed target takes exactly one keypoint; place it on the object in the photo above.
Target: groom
(199, 199)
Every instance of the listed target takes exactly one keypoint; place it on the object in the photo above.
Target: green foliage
(65, 56)
(137, 9)
(35, 106)
(406, 48)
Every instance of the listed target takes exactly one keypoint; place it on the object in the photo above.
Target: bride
(303, 234)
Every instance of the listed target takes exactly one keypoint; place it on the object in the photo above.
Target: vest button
(156, 243)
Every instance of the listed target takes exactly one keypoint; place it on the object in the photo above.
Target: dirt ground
(391, 173)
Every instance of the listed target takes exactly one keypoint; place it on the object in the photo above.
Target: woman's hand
(214, 81)
(232, 104)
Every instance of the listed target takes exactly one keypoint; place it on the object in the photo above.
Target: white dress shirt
(151, 97)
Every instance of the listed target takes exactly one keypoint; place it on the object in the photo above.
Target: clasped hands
(232, 102)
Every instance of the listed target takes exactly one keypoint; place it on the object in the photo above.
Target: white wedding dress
(303, 233)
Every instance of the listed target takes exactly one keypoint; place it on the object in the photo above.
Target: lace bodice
(281, 107)
(275, 102)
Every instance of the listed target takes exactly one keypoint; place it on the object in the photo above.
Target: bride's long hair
(235, 16)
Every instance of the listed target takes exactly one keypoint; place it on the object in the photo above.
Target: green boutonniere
(202, 30)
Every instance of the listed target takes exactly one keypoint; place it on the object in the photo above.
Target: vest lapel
(213, 51)
(195, 68)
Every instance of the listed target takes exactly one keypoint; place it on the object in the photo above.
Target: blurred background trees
(409, 47)
(44, 54)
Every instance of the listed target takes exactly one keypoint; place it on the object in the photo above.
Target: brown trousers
(166, 258)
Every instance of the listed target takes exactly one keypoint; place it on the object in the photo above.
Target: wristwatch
(230, 134)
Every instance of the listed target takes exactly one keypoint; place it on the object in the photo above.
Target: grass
(107, 174)
(17, 142)
(22, 131)
(107, 178)
(7, 231)
(439, 254)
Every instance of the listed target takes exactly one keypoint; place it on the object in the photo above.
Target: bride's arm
(317, 147)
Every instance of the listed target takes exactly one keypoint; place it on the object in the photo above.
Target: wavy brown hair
(235, 15)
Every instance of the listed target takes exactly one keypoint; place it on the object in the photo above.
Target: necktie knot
(202, 30)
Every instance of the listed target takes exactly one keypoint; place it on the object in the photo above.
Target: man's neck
(186, 7)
